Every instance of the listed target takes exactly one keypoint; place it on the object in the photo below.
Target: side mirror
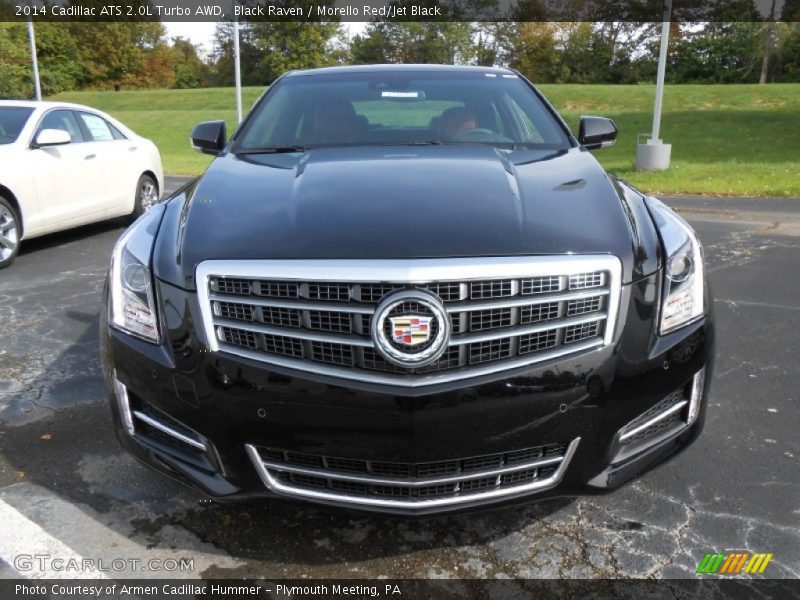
(51, 137)
(209, 137)
(597, 132)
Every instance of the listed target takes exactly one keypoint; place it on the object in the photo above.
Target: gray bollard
(653, 155)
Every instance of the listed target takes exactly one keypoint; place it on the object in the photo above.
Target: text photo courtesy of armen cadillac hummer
(477, 306)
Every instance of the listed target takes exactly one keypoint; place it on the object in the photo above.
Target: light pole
(237, 71)
(654, 155)
(32, 39)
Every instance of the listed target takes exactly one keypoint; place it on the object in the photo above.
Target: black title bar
(402, 589)
(386, 10)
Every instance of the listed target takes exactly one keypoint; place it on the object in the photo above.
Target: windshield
(399, 108)
(12, 120)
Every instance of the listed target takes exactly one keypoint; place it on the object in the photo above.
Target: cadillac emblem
(410, 328)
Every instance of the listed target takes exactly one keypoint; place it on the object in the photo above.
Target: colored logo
(411, 330)
(734, 563)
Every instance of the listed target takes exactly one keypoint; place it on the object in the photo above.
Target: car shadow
(52, 240)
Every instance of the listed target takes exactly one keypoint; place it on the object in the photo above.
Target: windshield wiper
(422, 143)
(274, 150)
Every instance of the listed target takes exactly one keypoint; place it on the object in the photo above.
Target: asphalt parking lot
(65, 483)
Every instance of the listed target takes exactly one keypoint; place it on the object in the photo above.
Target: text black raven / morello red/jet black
(407, 289)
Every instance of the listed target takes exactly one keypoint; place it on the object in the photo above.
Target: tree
(536, 53)
(585, 57)
(791, 11)
(157, 69)
(493, 43)
(222, 55)
(717, 53)
(284, 46)
(769, 41)
(190, 71)
(115, 54)
(57, 50)
(787, 65)
(421, 43)
(15, 67)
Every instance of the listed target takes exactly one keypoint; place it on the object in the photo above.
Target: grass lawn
(726, 139)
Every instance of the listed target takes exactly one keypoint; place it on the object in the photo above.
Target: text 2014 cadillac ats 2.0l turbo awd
(407, 289)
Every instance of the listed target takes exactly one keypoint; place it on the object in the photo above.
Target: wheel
(146, 196)
(9, 233)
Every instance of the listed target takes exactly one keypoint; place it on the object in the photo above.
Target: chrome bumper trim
(418, 482)
(281, 488)
(168, 430)
(650, 422)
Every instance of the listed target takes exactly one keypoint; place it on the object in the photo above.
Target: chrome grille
(490, 319)
(240, 287)
(480, 290)
(489, 350)
(541, 285)
(335, 354)
(329, 291)
(584, 281)
(576, 333)
(238, 337)
(411, 485)
(330, 321)
(316, 315)
(282, 345)
(539, 312)
(233, 310)
(533, 342)
(275, 289)
(583, 306)
(283, 317)
(448, 292)
(375, 291)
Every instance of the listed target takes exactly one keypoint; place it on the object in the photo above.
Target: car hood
(396, 203)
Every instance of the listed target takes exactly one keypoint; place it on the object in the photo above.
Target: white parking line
(21, 537)
(77, 541)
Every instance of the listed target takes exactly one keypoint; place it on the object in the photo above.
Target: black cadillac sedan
(407, 289)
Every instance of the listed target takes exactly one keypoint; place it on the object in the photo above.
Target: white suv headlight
(132, 308)
(683, 299)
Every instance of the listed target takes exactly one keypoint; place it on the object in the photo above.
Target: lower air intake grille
(411, 485)
(661, 416)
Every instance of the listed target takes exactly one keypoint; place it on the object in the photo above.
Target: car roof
(400, 68)
(44, 104)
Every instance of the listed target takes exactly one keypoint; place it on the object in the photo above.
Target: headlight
(132, 306)
(683, 273)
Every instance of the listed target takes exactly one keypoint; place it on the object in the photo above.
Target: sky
(200, 34)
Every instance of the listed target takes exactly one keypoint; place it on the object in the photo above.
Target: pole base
(653, 156)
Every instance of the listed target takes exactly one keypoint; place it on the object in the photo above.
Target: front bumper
(582, 420)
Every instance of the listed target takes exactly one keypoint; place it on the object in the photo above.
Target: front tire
(9, 233)
(147, 196)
